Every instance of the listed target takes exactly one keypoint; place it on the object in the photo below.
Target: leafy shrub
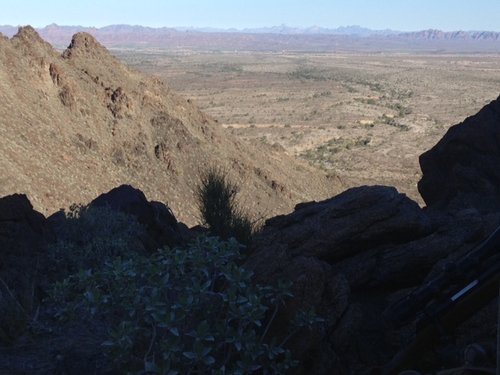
(183, 311)
(219, 208)
(88, 236)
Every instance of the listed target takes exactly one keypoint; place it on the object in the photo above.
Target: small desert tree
(219, 208)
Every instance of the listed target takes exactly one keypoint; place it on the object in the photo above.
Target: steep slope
(76, 124)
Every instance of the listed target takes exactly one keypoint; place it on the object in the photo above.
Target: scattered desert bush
(401, 109)
(282, 99)
(324, 155)
(183, 311)
(230, 68)
(307, 73)
(393, 122)
(321, 94)
(219, 209)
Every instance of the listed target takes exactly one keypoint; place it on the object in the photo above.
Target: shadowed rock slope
(463, 168)
(76, 124)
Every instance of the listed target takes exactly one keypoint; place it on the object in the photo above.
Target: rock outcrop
(160, 223)
(349, 258)
(463, 168)
(86, 46)
(349, 223)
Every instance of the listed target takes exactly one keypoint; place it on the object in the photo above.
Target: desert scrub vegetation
(219, 209)
(321, 94)
(384, 119)
(89, 236)
(308, 73)
(324, 155)
(190, 310)
(369, 101)
(401, 110)
(231, 68)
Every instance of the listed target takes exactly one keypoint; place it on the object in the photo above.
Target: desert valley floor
(362, 117)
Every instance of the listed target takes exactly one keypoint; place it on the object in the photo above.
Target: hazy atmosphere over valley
(350, 149)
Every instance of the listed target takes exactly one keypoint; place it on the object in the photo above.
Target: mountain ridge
(74, 124)
(53, 31)
(276, 29)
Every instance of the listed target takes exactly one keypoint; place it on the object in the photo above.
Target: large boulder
(309, 246)
(352, 222)
(463, 168)
(350, 257)
(159, 221)
(24, 236)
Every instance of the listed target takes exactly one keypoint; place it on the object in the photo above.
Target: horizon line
(235, 29)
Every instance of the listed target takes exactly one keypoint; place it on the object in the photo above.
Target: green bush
(88, 236)
(219, 208)
(183, 311)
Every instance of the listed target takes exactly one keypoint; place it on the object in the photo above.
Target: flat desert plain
(361, 117)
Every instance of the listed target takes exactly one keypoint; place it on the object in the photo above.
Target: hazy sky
(375, 14)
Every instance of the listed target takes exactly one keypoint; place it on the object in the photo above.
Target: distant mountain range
(312, 30)
(451, 35)
(353, 30)
(275, 38)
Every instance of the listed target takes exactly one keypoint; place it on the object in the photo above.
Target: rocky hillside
(76, 124)
(396, 286)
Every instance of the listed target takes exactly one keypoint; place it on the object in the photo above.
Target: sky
(404, 15)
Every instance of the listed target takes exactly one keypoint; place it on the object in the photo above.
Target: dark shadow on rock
(350, 257)
(356, 220)
(29, 342)
(463, 169)
(159, 221)
(24, 237)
